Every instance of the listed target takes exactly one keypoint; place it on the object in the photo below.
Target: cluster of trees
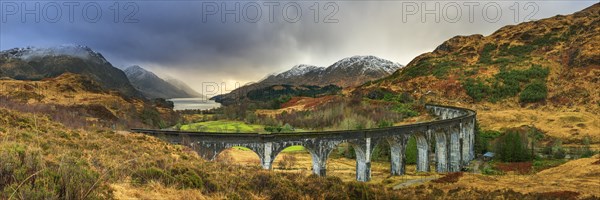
(287, 128)
(277, 91)
(534, 92)
(512, 148)
(346, 114)
(556, 150)
(520, 144)
(509, 83)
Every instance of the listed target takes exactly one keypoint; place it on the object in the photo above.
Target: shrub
(189, 179)
(26, 175)
(440, 70)
(150, 116)
(421, 69)
(586, 150)
(287, 161)
(449, 178)
(75, 178)
(405, 109)
(506, 83)
(381, 152)
(145, 175)
(411, 151)
(546, 40)
(511, 148)
(400, 98)
(483, 139)
(534, 92)
(475, 89)
(485, 57)
(558, 152)
(520, 51)
(542, 164)
(488, 170)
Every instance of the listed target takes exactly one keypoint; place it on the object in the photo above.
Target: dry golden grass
(570, 126)
(68, 90)
(343, 168)
(155, 191)
(578, 176)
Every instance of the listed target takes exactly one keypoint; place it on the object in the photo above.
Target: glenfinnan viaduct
(453, 135)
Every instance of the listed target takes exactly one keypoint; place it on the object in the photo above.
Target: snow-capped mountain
(347, 72)
(153, 86)
(34, 63)
(78, 51)
(299, 70)
(367, 63)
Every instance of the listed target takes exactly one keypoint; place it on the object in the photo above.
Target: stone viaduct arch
(452, 134)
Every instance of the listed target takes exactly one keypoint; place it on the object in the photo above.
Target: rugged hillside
(551, 66)
(348, 72)
(38, 63)
(154, 87)
(79, 102)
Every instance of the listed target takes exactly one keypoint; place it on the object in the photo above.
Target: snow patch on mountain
(299, 70)
(363, 63)
(367, 63)
(79, 51)
(136, 72)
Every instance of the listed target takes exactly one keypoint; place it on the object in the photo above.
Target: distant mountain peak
(135, 68)
(153, 86)
(367, 63)
(299, 70)
(347, 72)
(73, 50)
(35, 63)
(137, 72)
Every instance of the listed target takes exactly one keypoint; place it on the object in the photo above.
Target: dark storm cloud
(172, 39)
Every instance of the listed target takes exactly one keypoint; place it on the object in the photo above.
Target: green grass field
(227, 126)
(294, 149)
(289, 149)
(223, 126)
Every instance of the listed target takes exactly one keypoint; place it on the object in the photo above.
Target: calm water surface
(194, 104)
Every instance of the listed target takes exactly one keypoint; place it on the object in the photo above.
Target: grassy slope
(79, 102)
(577, 176)
(126, 165)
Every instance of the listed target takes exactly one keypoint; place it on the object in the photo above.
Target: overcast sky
(191, 41)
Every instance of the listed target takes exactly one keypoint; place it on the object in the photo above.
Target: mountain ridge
(347, 72)
(32, 63)
(542, 73)
(153, 86)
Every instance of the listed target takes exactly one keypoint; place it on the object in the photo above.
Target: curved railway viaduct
(452, 134)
